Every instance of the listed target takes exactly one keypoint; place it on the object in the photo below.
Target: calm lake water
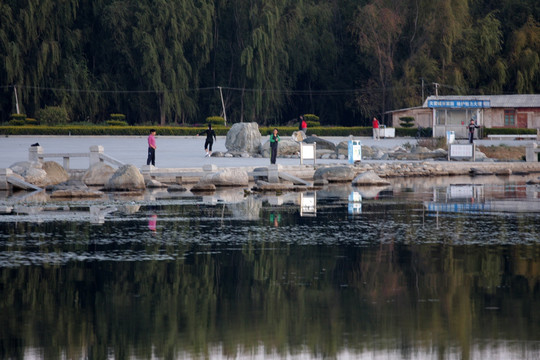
(422, 269)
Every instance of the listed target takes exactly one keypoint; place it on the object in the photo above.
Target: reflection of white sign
(457, 150)
(308, 204)
(461, 191)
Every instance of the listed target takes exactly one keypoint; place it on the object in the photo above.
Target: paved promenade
(172, 151)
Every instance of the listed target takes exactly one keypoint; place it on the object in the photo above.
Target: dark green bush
(118, 117)
(116, 123)
(407, 121)
(53, 115)
(17, 117)
(31, 121)
(311, 124)
(508, 131)
(215, 120)
(17, 122)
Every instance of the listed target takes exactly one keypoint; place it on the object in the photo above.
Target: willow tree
(524, 58)
(377, 28)
(36, 37)
(264, 59)
(160, 48)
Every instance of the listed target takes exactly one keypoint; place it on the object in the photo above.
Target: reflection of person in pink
(152, 222)
(376, 129)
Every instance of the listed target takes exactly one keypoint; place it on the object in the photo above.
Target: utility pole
(422, 90)
(223, 105)
(436, 89)
(16, 99)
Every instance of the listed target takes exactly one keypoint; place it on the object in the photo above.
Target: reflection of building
(473, 199)
(453, 113)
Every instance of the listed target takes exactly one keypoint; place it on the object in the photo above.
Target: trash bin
(355, 151)
(450, 137)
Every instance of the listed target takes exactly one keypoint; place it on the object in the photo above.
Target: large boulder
(98, 174)
(31, 171)
(126, 178)
(369, 178)
(322, 144)
(285, 147)
(56, 173)
(334, 174)
(244, 137)
(226, 177)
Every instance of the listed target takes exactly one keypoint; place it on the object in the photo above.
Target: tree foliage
(169, 62)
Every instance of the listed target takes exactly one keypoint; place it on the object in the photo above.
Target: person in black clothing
(471, 127)
(210, 137)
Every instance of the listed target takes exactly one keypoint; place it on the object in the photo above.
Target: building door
(522, 120)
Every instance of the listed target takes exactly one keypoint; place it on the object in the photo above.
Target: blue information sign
(459, 104)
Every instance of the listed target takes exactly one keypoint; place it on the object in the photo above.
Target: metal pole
(223, 105)
(16, 99)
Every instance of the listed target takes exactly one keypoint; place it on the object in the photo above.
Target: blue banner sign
(459, 104)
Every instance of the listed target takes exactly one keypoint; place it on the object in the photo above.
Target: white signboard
(461, 151)
(307, 152)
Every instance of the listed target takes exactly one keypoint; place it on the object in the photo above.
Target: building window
(509, 118)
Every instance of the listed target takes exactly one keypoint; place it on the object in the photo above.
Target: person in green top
(274, 139)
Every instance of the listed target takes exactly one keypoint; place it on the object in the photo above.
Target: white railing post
(95, 154)
(34, 152)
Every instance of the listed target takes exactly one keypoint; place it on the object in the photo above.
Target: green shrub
(508, 131)
(311, 117)
(31, 121)
(17, 122)
(215, 120)
(407, 121)
(118, 117)
(18, 117)
(311, 124)
(116, 123)
(53, 115)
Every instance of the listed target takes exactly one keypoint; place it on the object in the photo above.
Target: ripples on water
(229, 276)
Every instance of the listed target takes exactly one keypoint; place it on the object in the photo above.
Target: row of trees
(167, 60)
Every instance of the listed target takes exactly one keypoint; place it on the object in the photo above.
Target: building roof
(505, 101)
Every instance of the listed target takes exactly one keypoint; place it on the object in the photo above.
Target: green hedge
(508, 131)
(215, 121)
(188, 131)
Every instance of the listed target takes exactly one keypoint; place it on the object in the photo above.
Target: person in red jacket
(376, 129)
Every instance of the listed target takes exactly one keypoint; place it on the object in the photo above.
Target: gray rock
(321, 143)
(335, 174)
(244, 137)
(56, 173)
(126, 178)
(203, 188)
(369, 178)
(226, 177)
(98, 174)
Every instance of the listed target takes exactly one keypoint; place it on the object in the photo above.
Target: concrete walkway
(172, 151)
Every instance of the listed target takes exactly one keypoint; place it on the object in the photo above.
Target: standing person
(210, 137)
(376, 129)
(151, 148)
(471, 127)
(303, 124)
(274, 140)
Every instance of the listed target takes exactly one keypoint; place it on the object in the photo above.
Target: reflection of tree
(283, 296)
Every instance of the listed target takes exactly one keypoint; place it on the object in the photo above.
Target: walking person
(376, 129)
(210, 138)
(151, 148)
(303, 125)
(274, 140)
(471, 128)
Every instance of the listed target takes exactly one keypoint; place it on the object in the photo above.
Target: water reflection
(367, 274)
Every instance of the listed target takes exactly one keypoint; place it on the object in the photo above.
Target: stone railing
(96, 155)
